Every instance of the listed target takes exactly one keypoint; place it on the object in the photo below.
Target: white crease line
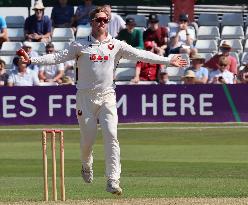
(133, 128)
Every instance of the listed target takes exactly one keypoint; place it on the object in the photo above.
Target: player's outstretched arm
(49, 59)
(132, 53)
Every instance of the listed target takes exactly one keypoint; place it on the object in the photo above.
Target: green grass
(155, 163)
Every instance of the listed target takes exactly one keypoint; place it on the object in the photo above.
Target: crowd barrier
(136, 103)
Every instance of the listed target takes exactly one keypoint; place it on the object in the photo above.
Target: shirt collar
(106, 40)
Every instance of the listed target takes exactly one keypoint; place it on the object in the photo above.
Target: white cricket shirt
(96, 61)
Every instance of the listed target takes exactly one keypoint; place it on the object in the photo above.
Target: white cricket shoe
(113, 186)
(87, 174)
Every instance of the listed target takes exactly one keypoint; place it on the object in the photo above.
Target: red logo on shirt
(98, 58)
(111, 46)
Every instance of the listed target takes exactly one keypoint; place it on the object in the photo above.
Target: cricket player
(96, 59)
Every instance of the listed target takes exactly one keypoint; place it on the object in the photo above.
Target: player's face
(100, 23)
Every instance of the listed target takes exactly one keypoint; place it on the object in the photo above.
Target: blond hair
(97, 10)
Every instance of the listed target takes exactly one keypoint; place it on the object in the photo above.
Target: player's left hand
(178, 61)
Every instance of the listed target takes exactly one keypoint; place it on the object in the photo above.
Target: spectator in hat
(201, 73)
(27, 46)
(189, 77)
(22, 76)
(156, 33)
(164, 77)
(116, 23)
(146, 71)
(225, 49)
(62, 14)
(131, 35)
(81, 16)
(38, 26)
(181, 41)
(3, 31)
(222, 75)
(3, 75)
(51, 73)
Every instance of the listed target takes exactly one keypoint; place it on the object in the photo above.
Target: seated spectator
(201, 73)
(22, 76)
(62, 14)
(131, 35)
(81, 16)
(38, 26)
(182, 40)
(51, 73)
(225, 49)
(243, 74)
(156, 33)
(146, 71)
(3, 75)
(189, 77)
(116, 22)
(27, 46)
(222, 75)
(164, 77)
(69, 70)
(3, 34)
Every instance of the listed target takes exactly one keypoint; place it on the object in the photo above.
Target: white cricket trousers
(91, 106)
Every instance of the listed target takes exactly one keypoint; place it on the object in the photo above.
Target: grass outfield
(158, 161)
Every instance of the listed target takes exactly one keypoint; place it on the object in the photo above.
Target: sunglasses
(101, 19)
(223, 65)
(49, 50)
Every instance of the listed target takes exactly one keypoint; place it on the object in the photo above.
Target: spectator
(62, 14)
(3, 75)
(131, 35)
(225, 49)
(116, 22)
(69, 69)
(189, 77)
(156, 33)
(51, 73)
(182, 40)
(4, 34)
(164, 77)
(81, 16)
(146, 71)
(22, 76)
(243, 74)
(38, 26)
(201, 73)
(66, 80)
(222, 75)
(27, 46)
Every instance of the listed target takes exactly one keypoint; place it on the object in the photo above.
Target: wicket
(53, 134)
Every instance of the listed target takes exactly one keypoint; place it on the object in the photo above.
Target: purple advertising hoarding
(136, 103)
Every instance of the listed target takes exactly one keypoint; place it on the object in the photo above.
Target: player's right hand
(24, 58)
